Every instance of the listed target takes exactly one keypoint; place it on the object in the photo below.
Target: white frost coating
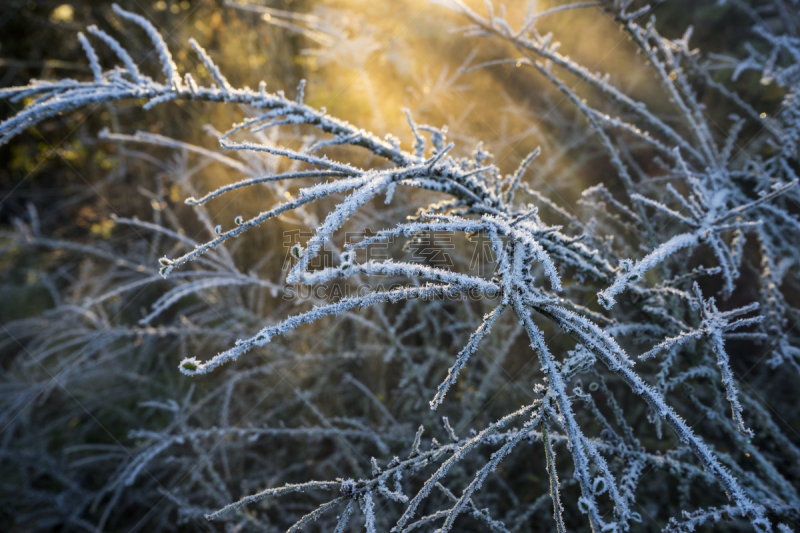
(324, 189)
(715, 324)
(121, 53)
(368, 508)
(626, 271)
(91, 55)
(459, 452)
(335, 219)
(341, 525)
(555, 495)
(279, 491)
(464, 355)
(665, 412)
(191, 366)
(458, 281)
(261, 179)
(490, 467)
(534, 249)
(291, 154)
(172, 296)
(556, 390)
(210, 65)
(509, 196)
(167, 63)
